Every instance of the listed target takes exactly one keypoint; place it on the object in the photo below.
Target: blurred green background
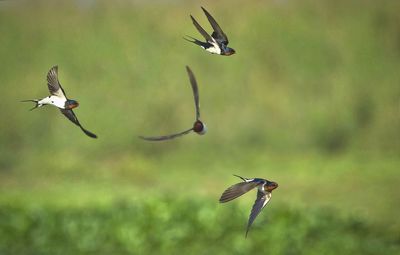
(311, 100)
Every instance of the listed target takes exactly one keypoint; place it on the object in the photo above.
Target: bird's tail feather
(34, 101)
(244, 179)
(194, 40)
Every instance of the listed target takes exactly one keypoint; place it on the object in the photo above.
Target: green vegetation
(310, 100)
(169, 226)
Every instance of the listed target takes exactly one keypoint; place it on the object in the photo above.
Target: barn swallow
(264, 194)
(198, 127)
(217, 42)
(59, 99)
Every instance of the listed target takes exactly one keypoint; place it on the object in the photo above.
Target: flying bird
(217, 43)
(59, 99)
(264, 194)
(198, 127)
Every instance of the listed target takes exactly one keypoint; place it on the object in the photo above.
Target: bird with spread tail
(264, 194)
(59, 99)
(217, 43)
(198, 127)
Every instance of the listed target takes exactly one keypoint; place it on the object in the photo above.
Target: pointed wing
(218, 34)
(72, 117)
(195, 91)
(259, 204)
(165, 137)
(201, 30)
(53, 84)
(236, 191)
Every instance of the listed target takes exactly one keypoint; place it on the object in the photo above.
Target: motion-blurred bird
(264, 194)
(217, 43)
(198, 127)
(59, 100)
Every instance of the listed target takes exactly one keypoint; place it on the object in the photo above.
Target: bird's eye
(52, 102)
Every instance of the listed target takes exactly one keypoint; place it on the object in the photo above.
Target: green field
(311, 100)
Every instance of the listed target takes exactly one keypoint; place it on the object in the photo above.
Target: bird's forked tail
(195, 41)
(35, 101)
(244, 179)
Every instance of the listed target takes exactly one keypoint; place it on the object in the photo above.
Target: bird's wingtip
(221, 200)
(247, 231)
(90, 134)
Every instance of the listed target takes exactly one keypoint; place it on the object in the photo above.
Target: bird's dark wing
(195, 91)
(53, 84)
(201, 30)
(259, 204)
(237, 190)
(72, 117)
(218, 34)
(165, 137)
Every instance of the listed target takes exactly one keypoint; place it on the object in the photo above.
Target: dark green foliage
(166, 226)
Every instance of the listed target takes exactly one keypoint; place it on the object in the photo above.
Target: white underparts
(202, 132)
(53, 100)
(214, 49)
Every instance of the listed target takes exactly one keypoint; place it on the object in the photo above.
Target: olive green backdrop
(311, 100)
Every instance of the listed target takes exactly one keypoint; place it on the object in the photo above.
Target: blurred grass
(310, 100)
(171, 226)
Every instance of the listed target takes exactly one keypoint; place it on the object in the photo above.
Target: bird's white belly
(53, 100)
(214, 49)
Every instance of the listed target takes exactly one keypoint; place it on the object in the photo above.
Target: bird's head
(71, 104)
(199, 127)
(229, 51)
(270, 186)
